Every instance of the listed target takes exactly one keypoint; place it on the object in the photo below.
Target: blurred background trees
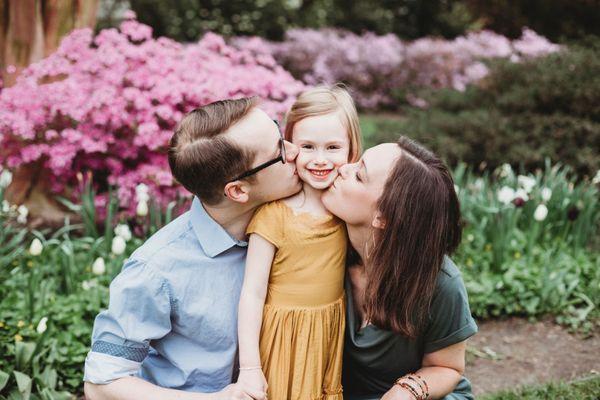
(32, 29)
(187, 20)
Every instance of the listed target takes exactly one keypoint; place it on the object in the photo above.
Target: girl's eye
(307, 146)
(333, 147)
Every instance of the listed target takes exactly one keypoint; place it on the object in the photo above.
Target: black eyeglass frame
(281, 157)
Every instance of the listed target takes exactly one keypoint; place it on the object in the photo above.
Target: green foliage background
(187, 20)
(520, 114)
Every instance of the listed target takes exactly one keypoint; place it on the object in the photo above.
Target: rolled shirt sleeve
(450, 317)
(139, 311)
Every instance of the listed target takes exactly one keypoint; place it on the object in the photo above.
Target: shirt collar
(212, 237)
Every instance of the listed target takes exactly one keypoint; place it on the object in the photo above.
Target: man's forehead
(256, 131)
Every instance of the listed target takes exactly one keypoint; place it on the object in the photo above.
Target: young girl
(294, 279)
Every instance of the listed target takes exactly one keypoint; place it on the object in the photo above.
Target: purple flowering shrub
(376, 66)
(109, 104)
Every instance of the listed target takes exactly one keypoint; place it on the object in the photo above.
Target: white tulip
(541, 212)
(87, 285)
(522, 194)
(98, 267)
(456, 189)
(36, 247)
(5, 178)
(123, 231)
(526, 182)
(23, 213)
(142, 209)
(42, 325)
(505, 170)
(141, 192)
(5, 206)
(596, 179)
(506, 194)
(546, 193)
(118, 245)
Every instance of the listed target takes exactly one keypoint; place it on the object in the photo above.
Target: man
(170, 331)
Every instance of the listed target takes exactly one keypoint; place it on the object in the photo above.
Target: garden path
(513, 352)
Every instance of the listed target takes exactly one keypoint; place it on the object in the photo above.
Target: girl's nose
(320, 159)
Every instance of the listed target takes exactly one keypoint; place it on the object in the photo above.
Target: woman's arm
(252, 300)
(442, 370)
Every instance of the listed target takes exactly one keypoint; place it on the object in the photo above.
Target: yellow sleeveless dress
(302, 335)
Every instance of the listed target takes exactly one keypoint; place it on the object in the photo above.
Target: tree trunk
(29, 31)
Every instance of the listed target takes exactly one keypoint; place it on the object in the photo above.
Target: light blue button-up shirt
(172, 316)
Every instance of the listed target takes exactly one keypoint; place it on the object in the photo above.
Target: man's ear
(237, 191)
(378, 221)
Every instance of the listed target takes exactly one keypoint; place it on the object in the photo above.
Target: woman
(408, 316)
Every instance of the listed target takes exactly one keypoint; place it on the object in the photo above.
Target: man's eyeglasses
(262, 166)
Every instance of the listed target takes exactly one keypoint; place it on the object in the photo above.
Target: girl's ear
(237, 191)
(378, 221)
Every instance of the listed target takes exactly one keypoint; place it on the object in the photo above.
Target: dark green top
(375, 358)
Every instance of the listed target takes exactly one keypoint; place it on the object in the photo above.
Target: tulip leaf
(3, 379)
(23, 353)
(24, 383)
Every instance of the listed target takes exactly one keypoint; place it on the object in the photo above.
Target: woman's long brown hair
(421, 216)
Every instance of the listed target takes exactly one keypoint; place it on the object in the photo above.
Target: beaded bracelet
(412, 390)
(425, 383)
(420, 393)
(412, 378)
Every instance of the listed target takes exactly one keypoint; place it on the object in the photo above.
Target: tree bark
(29, 31)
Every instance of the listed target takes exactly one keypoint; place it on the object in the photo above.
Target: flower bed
(109, 104)
(525, 251)
(378, 67)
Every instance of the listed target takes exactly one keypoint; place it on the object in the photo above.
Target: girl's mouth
(320, 173)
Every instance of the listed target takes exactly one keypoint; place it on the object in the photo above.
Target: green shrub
(520, 114)
(555, 19)
(516, 264)
(187, 20)
(584, 389)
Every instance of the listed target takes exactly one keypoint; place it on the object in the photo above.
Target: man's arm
(135, 388)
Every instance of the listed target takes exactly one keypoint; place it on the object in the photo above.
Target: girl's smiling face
(323, 146)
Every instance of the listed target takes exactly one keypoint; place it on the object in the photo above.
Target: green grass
(582, 389)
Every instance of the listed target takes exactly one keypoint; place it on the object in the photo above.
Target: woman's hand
(254, 378)
(398, 393)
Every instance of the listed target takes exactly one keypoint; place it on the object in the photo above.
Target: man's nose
(291, 151)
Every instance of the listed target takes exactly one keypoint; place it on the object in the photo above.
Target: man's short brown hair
(201, 158)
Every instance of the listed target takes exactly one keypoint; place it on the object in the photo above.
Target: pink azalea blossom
(109, 104)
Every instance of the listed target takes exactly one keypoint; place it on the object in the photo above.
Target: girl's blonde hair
(322, 100)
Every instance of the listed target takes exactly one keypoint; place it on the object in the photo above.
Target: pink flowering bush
(369, 63)
(109, 104)
(377, 66)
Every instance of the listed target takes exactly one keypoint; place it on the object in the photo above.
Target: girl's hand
(254, 378)
(398, 393)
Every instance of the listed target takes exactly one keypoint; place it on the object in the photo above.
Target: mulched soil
(506, 354)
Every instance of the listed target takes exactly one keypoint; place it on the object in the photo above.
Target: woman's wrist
(400, 393)
(415, 385)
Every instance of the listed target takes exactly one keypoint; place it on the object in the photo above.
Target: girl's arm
(442, 370)
(252, 300)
